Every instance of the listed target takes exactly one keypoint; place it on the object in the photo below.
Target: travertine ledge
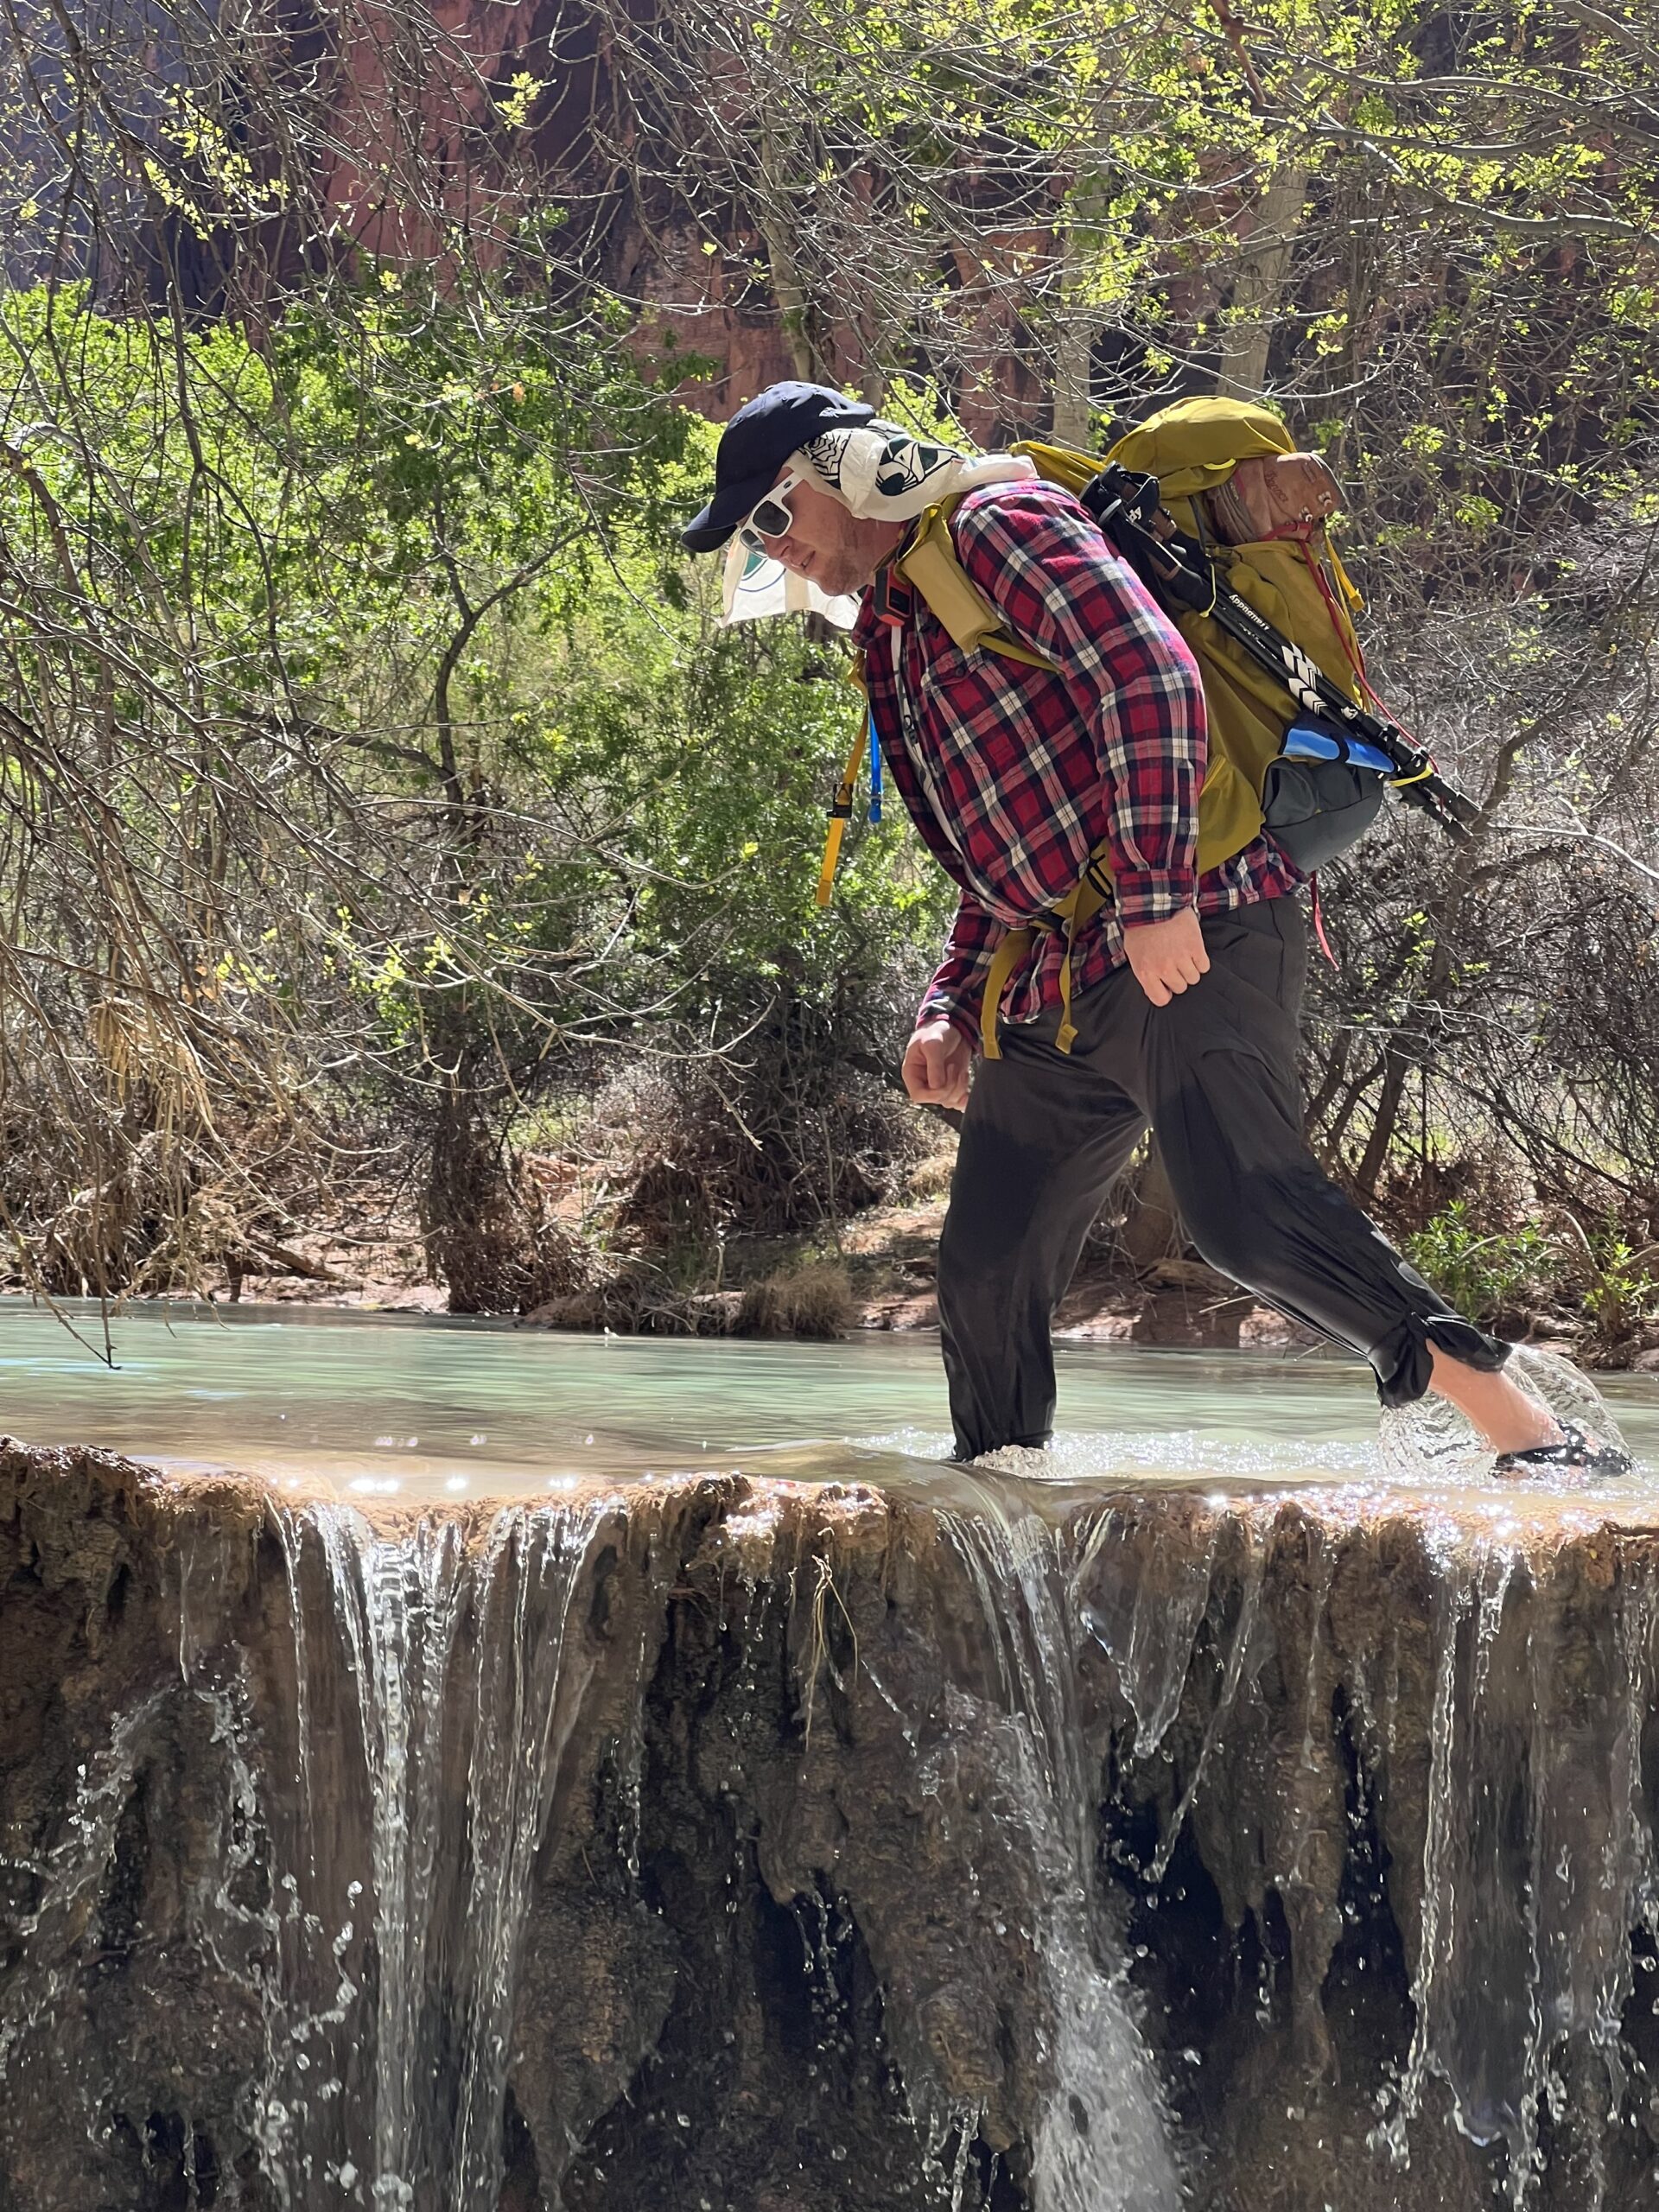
(753, 1844)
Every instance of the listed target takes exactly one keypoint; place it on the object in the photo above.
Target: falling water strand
(398, 1599)
(1238, 1649)
(1589, 1879)
(454, 1661)
(1537, 1858)
(526, 1691)
(223, 1916)
(314, 2105)
(71, 1881)
(1103, 2144)
(1444, 1901)
(290, 1530)
(1315, 1712)
(1638, 1634)
(1145, 1601)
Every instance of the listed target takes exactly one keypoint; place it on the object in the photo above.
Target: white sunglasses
(770, 518)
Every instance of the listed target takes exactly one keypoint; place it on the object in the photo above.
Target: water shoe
(1580, 1451)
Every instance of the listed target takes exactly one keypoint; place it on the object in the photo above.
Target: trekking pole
(1417, 779)
(1176, 568)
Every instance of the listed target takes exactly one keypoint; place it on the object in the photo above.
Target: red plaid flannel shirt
(1013, 776)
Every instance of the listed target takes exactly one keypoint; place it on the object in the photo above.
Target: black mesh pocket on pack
(1314, 810)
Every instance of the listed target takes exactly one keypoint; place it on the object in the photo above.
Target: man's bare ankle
(1509, 1418)
(1545, 1430)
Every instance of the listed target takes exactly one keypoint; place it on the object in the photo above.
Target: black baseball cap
(755, 444)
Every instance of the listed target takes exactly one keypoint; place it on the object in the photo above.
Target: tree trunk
(1079, 326)
(1259, 287)
(1411, 1050)
(1073, 362)
(797, 312)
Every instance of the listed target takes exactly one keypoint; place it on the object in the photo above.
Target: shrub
(1485, 1276)
(1616, 1282)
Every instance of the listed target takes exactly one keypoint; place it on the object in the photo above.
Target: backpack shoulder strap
(929, 565)
(1062, 465)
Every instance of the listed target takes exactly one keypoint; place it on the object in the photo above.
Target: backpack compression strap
(840, 813)
(1080, 904)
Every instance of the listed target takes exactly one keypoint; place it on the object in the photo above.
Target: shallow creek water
(416, 1408)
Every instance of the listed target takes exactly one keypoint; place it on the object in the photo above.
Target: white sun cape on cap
(885, 474)
(755, 587)
(881, 473)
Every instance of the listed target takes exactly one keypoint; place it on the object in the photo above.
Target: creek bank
(878, 1273)
(762, 1844)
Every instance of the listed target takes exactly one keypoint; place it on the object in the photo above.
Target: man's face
(830, 547)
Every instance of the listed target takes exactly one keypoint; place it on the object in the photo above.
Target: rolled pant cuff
(1401, 1359)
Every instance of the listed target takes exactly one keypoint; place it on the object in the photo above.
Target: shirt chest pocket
(964, 722)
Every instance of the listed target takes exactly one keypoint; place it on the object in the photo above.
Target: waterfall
(1291, 1849)
(1499, 1736)
(434, 1673)
(1103, 2141)
(1538, 1857)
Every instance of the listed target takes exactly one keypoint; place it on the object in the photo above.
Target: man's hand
(936, 1061)
(1167, 956)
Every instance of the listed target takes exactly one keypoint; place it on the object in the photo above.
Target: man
(1185, 990)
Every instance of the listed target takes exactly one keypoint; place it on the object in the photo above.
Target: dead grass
(814, 1299)
(930, 1178)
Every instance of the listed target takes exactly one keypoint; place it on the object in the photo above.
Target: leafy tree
(364, 726)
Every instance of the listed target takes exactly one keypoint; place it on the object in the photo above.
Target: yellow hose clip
(841, 813)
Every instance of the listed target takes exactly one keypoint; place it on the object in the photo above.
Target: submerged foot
(1576, 1451)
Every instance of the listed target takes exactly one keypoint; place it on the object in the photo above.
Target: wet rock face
(750, 1845)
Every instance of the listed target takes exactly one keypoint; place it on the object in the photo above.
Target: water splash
(1138, 1458)
(1430, 1442)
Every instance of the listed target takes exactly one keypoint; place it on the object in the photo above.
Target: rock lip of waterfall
(752, 1843)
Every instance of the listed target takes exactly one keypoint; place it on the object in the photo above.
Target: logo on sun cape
(904, 463)
(826, 453)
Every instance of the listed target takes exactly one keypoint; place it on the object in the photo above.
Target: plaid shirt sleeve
(1043, 565)
(959, 983)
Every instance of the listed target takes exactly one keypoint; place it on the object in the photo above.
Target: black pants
(1213, 1073)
